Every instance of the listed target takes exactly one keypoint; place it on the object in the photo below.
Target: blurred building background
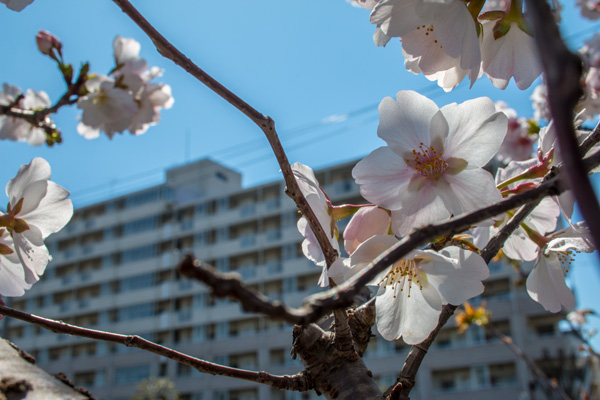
(114, 270)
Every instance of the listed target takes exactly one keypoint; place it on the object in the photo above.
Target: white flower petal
(404, 123)
(38, 169)
(33, 254)
(546, 284)
(384, 178)
(455, 273)
(472, 189)
(53, 211)
(412, 318)
(477, 130)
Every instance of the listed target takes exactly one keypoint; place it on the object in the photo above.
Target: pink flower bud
(367, 222)
(48, 43)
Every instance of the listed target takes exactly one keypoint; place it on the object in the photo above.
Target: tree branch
(20, 378)
(265, 123)
(534, 369)
(299, 382)
(563, 71)
(40, 118)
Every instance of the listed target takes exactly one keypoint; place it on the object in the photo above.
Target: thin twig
(534, 369)
(40, 118)
(298, 382)
(577, 333)
(265, 123)
(563, 71)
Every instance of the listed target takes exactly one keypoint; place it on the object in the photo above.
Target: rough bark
(21, 379)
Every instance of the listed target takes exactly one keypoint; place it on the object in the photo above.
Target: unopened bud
(49, 44)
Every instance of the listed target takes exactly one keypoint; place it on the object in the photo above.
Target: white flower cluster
(430, 172)
(590, 53)
(125, 100)
(445, 42)
(17, 129)
(519, 141)
(37, 208)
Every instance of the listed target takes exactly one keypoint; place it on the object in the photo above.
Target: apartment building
(114, 270)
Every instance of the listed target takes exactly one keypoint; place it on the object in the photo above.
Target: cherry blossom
(49, 44)
(412, 291)
(431, 168)
(126, 100)
(546, 282)
(151, 100)
(590, 52)
(512, 55)
(439, 39)
(16, 5)
(18, 129)
(37, 208)
(107, 108)
(539, 101)
(125, 50)
(519, 141)
(321, 206)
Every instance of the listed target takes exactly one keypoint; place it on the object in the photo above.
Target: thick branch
(563, 71)
(224, 285)
(266, 124)
(298, 382)
(20, 378)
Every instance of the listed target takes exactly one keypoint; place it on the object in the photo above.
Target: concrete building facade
(113, 269)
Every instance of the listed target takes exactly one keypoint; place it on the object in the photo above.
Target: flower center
(402, 272)
(566, 258)
(428, 161)
(10, 220)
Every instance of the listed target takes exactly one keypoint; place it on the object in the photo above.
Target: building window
(135, 312)
(138, 253)
(139, 199)
(289, 251)
(223, 204)
(222, 264)
(247, 209)
(223, 234)
(140, 225)
(247, 240)
(137, 282)
(134, 374)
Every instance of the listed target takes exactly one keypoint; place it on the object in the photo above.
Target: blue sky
(311, 66)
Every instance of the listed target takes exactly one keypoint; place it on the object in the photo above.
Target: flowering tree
(436, 216)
